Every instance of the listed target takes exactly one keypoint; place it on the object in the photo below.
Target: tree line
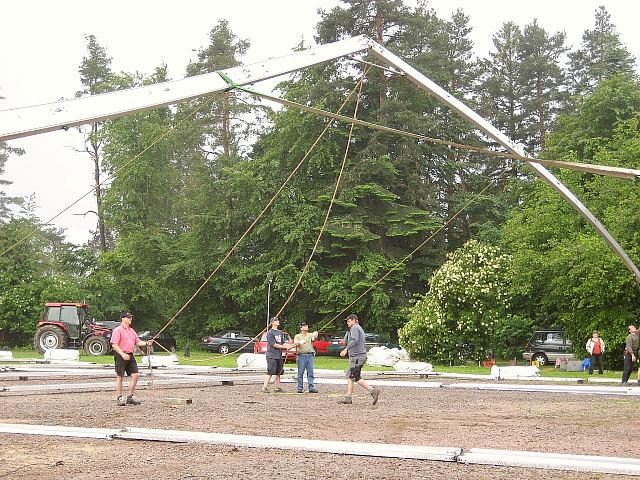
(169, 217)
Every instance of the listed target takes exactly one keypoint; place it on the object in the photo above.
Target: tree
(96, 76)
(542, 81)
(563, 273)
(500, 90)
(466, 303)
(601, 56)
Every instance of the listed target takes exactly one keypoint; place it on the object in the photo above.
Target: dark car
(261, 347)
(547, 346)
(228, 341)
(165, 339)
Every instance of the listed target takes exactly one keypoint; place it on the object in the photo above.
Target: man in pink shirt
(124, 340)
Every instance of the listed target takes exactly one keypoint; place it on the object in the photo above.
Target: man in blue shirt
(357, 357)
(275, 360)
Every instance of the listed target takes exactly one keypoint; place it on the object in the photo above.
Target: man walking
(303, 341)
(630, 350)
(357, 357)
(275, 361)
(595, 347)
(124, 339)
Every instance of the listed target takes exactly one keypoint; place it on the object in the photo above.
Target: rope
(626, 173)
(333, 198)
(116, 171)
(401, 262)
(260, 215)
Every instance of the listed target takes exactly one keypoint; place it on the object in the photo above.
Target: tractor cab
(67, 325)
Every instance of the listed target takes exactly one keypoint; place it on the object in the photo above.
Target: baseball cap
(125, 314)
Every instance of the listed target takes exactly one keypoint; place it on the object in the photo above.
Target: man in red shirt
(124, 339)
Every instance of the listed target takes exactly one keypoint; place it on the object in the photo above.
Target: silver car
(546, 346)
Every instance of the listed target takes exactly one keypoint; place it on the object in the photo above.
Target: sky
(42, 44)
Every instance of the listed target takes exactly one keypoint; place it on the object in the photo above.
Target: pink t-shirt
(126, 338)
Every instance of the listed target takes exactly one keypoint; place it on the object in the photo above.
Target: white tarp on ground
(417, 367)
(252, 361)
(61, 355)
(160, 360)
(6, 354)
(386, 357)
(513, 372)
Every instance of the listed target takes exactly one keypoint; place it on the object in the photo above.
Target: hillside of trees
(516, 258)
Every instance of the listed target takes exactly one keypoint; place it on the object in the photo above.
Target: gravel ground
(546, 422)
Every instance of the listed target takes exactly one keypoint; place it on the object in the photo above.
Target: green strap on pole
(227, 79)
(231, 83)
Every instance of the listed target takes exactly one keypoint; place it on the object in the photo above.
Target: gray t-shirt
(274, 336)
(355, 342)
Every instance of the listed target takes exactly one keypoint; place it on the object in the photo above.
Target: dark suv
(547, 346)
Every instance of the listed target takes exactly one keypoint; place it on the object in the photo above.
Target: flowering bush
(456, 319)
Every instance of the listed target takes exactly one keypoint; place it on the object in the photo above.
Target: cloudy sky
(42, 44)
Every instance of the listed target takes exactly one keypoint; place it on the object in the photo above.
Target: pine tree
(601, 55)
(96, 76)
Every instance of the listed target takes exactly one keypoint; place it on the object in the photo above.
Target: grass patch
(324, 362)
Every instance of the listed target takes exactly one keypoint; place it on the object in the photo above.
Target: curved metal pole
(456, 105)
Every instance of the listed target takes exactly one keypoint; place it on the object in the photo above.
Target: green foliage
(563, 273)
(30, 275)
(466, 304)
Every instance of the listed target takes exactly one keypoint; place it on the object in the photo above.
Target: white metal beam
(456, 105)
(25, 121)
(21, 122)
(479, 456)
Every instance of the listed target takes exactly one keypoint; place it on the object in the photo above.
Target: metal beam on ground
(551, 461)
(479, 456)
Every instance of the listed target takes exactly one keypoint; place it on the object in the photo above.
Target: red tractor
(67, 325)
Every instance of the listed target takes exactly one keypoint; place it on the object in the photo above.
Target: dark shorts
(275, 366)
(125, 366)
(355, 367)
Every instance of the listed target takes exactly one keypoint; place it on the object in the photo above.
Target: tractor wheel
(49, 337)
(96, 346)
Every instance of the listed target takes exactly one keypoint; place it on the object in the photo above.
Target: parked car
(338, 342)
(321, 344)
(165, 339)
(370, 339)
(228, 341)
(546, 346)
(261, 347)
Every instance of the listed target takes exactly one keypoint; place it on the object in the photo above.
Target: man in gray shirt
(357, 357)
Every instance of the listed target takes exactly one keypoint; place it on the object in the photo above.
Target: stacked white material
(386, 357)
(160, 360)
(252, 361)
(417, 367)
(5, 354)
(504, 373)
(61, 355)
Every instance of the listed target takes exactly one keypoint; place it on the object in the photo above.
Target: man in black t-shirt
(275, 361)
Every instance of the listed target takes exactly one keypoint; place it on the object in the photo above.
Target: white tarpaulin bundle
(252, 361)
(418, 367)
(160, 360)
(386, 357)
(61, 355)
(513, 372)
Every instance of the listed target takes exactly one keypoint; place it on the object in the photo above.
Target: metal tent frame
(37, 119)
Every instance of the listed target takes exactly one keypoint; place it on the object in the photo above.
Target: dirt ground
(546, 422)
